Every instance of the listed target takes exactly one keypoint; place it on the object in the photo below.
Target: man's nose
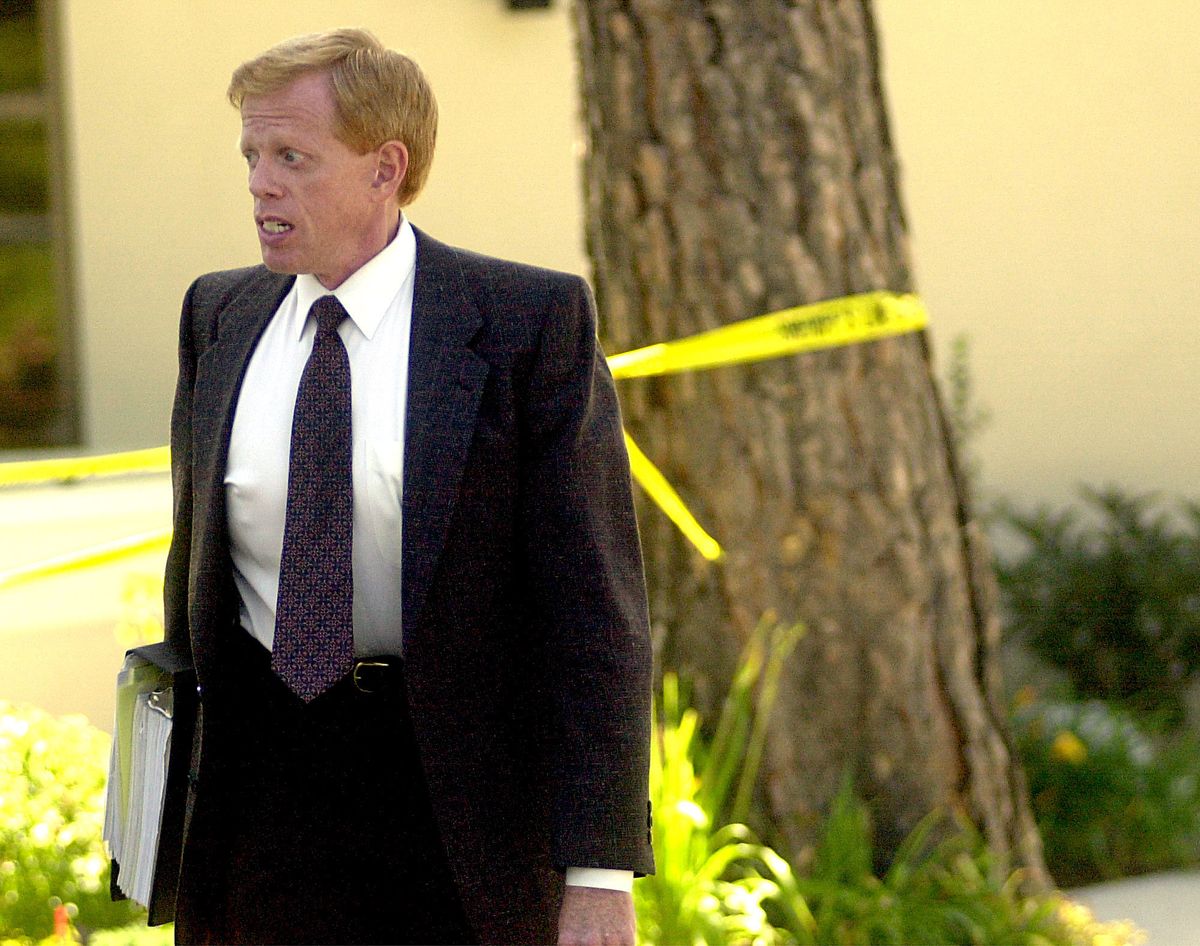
(263, 182)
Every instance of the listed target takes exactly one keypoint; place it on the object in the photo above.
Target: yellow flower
(1067, 747)
(1080, 922)
(1025, 697)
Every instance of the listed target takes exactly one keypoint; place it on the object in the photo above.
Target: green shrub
(52, 778)
(1111, 598)
(706, 888)
(944, 894)
(1108, 801)
(696, 895)
(716, 884)
(136, 934)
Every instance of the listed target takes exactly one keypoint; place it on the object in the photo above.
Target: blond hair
(379, 94)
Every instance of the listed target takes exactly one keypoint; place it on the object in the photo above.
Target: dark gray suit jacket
(525, 629)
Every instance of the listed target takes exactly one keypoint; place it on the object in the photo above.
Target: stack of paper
(137, 775)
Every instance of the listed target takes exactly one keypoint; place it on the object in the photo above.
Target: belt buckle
(356, 678)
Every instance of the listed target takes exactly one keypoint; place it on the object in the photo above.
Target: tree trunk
(739, 162)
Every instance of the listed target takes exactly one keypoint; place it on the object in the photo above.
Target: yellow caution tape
(845, 321)
(656, 485)
(87, 558)
(32, 472)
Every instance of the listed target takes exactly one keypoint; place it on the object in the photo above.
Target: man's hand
(591, 916)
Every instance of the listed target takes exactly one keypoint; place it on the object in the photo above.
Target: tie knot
(329, 313)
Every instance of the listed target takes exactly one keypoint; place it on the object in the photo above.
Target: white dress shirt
(378, 298)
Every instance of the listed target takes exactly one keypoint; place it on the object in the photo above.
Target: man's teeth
(275, 226)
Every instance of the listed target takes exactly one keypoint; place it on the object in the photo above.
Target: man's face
(314, 203)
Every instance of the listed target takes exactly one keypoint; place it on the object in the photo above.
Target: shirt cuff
(601, 877)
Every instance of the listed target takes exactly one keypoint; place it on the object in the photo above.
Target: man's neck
(393, 227)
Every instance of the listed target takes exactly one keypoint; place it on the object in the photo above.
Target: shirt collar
(369, 291)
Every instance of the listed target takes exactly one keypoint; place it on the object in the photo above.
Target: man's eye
(290, 156)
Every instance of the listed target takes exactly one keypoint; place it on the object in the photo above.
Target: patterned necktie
(314, 630)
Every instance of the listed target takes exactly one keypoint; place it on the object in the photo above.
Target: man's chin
(282, 268)
(276, 264)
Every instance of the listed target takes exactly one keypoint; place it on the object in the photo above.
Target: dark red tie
(314, 627)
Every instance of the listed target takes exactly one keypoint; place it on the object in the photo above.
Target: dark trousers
(312, 823)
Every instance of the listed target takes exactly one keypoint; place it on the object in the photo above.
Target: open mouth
(276, 226)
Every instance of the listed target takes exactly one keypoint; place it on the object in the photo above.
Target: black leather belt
(377, 674)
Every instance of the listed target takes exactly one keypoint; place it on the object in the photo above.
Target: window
(36, 364)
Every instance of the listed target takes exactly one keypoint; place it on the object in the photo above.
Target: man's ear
(391, 165)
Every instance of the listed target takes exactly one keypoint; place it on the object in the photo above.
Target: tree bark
(739, 162)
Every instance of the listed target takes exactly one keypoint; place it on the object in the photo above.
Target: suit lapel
(445, 381)
(219, 373)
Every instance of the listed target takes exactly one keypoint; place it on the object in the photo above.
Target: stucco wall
(1051, 174)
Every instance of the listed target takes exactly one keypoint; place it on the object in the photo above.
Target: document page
(138, 775)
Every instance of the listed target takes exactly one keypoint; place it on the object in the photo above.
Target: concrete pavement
(58, 639)
(1166, 905)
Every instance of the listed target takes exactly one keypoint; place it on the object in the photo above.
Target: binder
(149, 776)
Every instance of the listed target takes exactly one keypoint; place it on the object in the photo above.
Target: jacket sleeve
(585, 572)
(175, 583)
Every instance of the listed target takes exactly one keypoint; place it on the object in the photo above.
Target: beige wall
(1049, 152)
(1049, 164)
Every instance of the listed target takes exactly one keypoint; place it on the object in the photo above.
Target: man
(405, 558)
